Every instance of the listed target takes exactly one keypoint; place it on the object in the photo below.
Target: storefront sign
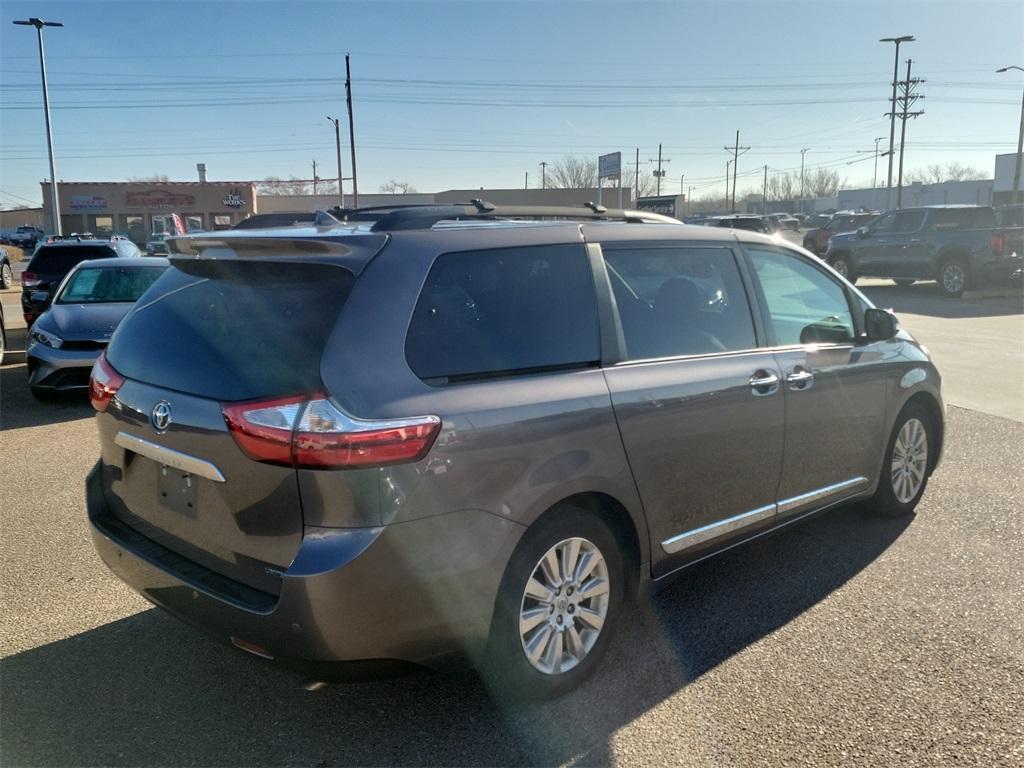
(233, 199)
(159, 198)
(88, 203)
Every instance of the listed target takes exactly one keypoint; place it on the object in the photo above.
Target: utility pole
(315, 177)
(735, 162)
(526, 180)
(874, 177)
(351, 132)
(727, 164)
(337, 146)
(543, 175)
(906, 100)
(658, 174)
(636, 178)
(689, 196)
(1015, 194)
(802, 153)
(54, 201)
(892, 121)
(764, 195)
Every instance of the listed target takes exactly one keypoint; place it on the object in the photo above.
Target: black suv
(453, 432)
(52, 261)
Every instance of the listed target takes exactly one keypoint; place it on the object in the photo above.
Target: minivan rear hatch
(210, 332)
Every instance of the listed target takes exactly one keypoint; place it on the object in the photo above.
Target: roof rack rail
(396, 218)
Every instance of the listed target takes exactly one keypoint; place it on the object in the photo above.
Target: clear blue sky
(475, 94)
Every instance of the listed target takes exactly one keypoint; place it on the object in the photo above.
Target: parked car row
(816, 238)
(446, 435)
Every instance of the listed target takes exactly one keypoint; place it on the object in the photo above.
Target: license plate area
(177, 491)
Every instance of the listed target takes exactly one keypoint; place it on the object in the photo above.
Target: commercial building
(140, 208)
(16, 217)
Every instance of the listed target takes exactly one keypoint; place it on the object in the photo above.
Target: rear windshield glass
(232, 330)
(98, 285)
(504, 311)
(60, 259)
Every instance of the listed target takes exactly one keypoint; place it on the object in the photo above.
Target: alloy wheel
(6, 276)
(564, 606)
(839, 265)
(953, 278)
(909, 460)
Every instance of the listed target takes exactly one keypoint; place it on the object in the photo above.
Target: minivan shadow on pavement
(147, 690)
(17, 406)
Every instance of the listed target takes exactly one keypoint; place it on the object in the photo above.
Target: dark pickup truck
(958, 246)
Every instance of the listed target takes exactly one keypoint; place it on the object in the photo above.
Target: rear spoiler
(352, 252)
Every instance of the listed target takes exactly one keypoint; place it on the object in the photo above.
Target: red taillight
(103, 383)
(29, 279)
(263, 430)
(30, 317)
(998, 242)
(312, 433)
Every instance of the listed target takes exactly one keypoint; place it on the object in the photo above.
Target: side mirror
(862, 232)
(880, 324)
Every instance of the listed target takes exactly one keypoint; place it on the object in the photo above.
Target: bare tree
(156, 177)
(957, 172)
(648, 184)
(572, 172)
(396, 187)
(784, 186)
(936, 173)
(275, 185)
(822, 182)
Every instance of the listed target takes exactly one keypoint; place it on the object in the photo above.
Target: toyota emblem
(161, 416)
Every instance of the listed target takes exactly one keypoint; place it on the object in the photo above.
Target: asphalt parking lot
(844, 640)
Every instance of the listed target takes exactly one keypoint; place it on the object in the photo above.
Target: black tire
(507, 667)
(842, 265)
(885, 502)
(904, 283)
(954, 277)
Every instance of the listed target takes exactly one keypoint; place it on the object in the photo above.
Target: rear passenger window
(805, 304)
(679, 301)
(504, 311)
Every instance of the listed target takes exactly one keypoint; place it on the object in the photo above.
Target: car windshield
(105, 285)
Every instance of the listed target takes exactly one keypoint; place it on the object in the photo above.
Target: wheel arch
(951, 252)
(932, 407)
(616, 515)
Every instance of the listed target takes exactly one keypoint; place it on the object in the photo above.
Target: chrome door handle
(764, 383)
(800, 379)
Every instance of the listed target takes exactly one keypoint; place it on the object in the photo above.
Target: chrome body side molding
(699, 535)
(830, 494)
(169, 457)
(845, 488)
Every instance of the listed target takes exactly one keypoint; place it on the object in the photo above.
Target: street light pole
(54, 199)
(892, 117)
(1020, 142)
(874, 176)
(802, 153)
(337, 146)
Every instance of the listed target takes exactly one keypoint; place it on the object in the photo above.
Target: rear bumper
(1002, 270)
(420, 592)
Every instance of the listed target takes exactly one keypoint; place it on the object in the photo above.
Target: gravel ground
(843, 640)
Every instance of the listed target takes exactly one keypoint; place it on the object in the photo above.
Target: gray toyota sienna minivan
(456, 433)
